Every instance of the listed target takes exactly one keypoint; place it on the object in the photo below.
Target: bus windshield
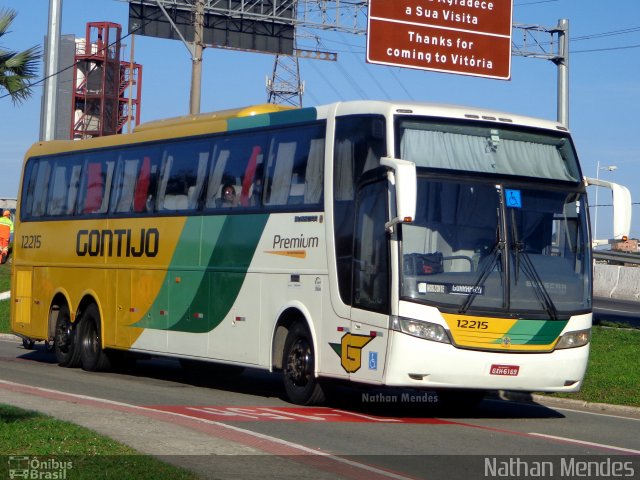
(481, 246)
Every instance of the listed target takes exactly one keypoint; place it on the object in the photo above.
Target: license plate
(506, 370)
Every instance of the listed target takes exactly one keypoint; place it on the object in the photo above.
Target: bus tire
(298, 365)
(92, 357)
(65, 342)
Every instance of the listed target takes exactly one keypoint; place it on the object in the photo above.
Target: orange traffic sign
(468, 37)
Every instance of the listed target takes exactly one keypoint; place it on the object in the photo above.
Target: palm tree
(16, 68)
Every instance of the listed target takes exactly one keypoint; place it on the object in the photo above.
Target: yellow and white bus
(389, 244)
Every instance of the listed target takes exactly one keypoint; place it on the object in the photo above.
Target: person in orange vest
(6, 232)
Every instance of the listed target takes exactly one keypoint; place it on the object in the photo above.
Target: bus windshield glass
(477, 247)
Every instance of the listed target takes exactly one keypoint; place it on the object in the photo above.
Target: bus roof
(213, 122)
(204, 118)
(442, 110)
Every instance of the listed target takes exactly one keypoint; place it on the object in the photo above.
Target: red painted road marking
(338, 466)
(287, 414)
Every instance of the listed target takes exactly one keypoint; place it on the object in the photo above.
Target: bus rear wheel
(65, 343)
(92, 357)
(300, 383)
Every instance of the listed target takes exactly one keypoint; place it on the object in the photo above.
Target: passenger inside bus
(228, 196)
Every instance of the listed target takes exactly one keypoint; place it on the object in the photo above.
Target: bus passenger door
(371, 284)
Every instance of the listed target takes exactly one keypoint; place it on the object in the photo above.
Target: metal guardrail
(617, 257)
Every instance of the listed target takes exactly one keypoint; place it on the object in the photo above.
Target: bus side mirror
(403, 178)
(621, 209)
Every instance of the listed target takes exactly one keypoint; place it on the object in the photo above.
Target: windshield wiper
(487, 268)
(497, 252)
(530, 271)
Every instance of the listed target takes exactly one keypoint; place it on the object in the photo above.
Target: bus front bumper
(418, 363)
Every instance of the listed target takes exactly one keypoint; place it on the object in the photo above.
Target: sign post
(468, 37)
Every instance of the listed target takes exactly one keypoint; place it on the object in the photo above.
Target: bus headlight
(574, 339)
(420, 329)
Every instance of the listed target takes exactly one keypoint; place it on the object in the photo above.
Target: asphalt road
(391, 435)
(616, 311)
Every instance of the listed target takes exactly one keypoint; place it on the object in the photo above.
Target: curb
(10, 336)
(546, 400)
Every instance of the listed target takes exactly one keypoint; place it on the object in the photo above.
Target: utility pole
(51, 82)
(285, 85)
(562, 62)
(547, 50)
(196, 66)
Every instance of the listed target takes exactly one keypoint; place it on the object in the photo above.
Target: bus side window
(59, 187)
(128, 179)
(249, 176)
(216, 171)
(95, 185)
(238, 164)
(37, 181)
(74, 186)
(280, 169)
(146, 182)
(183, 175)
(295, 166)
(314, 174)
(64, 186)
(94, 188)
(142, 186)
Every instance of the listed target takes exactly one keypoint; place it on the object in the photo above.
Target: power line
(606, 34)
(626, 47)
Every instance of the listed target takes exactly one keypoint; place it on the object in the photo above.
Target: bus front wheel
(65, 344)
(92, 357)
(300, 383)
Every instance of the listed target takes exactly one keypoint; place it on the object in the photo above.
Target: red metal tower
(107, 90)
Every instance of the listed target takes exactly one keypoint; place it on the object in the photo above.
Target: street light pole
(609, 168)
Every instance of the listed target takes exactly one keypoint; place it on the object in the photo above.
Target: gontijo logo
(118, 243)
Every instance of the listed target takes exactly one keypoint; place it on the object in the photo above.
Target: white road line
(595, 413)
(590, 444)
(367, 417)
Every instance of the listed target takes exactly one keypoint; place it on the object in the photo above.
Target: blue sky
(604, 82)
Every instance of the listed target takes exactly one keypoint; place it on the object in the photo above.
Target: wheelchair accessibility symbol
(513, 198)
(373, 360)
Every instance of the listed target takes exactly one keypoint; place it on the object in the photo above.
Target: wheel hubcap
(63, 334)
(299, 363)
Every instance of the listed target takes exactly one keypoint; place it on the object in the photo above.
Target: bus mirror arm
(622, 208)
(402, 177)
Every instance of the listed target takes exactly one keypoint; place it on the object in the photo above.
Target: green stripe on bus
(285, 117)
(534, 332)
(228, 250)
(294, 116)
